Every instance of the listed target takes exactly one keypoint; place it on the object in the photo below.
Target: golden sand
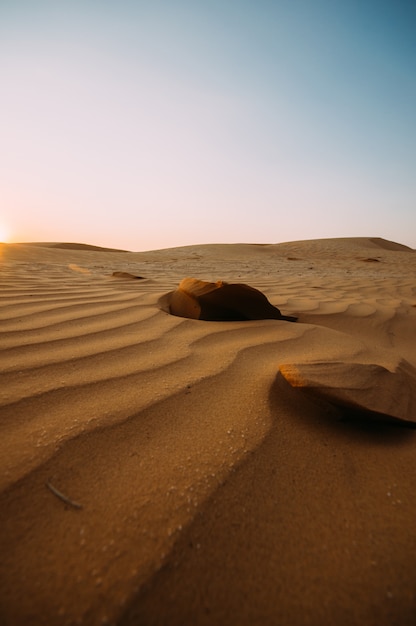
(160, 470)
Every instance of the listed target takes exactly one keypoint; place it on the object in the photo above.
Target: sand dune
(156, 469)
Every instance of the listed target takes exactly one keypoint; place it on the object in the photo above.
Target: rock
(220, 301)
(126, 276)
(362, 387)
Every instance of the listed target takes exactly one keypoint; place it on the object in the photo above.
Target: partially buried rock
(220, 301)
(126, 276)
(380, 393)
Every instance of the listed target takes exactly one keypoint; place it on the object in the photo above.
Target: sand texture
(161, 470)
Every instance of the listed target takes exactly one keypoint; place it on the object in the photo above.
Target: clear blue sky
(160, 123)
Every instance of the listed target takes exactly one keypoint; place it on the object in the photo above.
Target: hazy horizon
(142, 126)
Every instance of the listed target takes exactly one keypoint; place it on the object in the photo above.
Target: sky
(150, 124)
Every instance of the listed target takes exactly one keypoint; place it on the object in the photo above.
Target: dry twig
(62, 497)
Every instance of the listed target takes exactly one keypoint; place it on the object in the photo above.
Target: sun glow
(4, 233)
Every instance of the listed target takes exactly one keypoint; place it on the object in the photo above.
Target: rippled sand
(158, 470)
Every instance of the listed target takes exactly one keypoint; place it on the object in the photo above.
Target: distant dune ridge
(158, 469)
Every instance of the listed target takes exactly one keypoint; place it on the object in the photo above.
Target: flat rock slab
(363, 387)
(220, 301)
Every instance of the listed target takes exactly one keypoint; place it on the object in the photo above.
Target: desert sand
(162, 470)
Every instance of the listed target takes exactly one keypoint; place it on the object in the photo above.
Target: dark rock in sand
(126, 276)
(221, 301)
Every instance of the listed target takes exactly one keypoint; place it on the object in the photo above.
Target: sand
(159, 470)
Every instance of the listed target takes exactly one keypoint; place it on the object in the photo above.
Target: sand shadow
(248, 510)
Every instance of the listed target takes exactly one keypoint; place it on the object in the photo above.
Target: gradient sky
(156, 123)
